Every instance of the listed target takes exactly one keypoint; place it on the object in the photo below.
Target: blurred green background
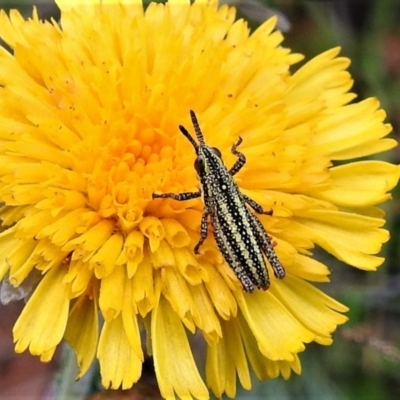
(364, 360)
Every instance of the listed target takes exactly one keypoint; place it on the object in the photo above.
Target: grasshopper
(240, 236)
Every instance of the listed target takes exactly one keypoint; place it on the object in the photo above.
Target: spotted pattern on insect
(240, 236)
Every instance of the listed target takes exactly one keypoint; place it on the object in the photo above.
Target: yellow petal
(48, 355)
(189, 267)
(143, 287)
(77, 278)
(222, 298)
(366, 149)
(11, 30)
(153, 229)
(48, 307)
(112, 293)
(263, 367)
(204, 314)
(279, 334)
(129, 319)
(225, 359)
(133, 255)
(325, 77)
(178, 374)
(63, 228)
(93, 238)
(105, 258)
(361, 184)
(355, 126)
(82, 332)
(18, 258)
(349, 237)
(119, 363)
(312, 308)
(309, 269)
(176, 290)
(163, 255)
(175, 234)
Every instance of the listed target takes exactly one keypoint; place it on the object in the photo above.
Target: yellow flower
(89, 115)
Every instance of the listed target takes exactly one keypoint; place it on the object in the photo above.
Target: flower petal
(349, 189)
(279, 334)
(180, 374)
(112, 293)
(130, 321)
(263, 367)
(47, 307)
(119, 364)
(349, 237)
(353, 131)
(225, 359)
(315, 310)
(82, 332)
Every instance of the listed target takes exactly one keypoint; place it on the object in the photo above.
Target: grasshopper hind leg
(267, 248)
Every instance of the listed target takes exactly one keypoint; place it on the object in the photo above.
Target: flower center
(123, 170)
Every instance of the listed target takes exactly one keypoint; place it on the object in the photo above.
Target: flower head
(89, 116)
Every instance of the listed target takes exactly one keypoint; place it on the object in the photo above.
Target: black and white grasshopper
(240, 236)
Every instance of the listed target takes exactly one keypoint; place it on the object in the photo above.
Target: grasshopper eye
(199, 164)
